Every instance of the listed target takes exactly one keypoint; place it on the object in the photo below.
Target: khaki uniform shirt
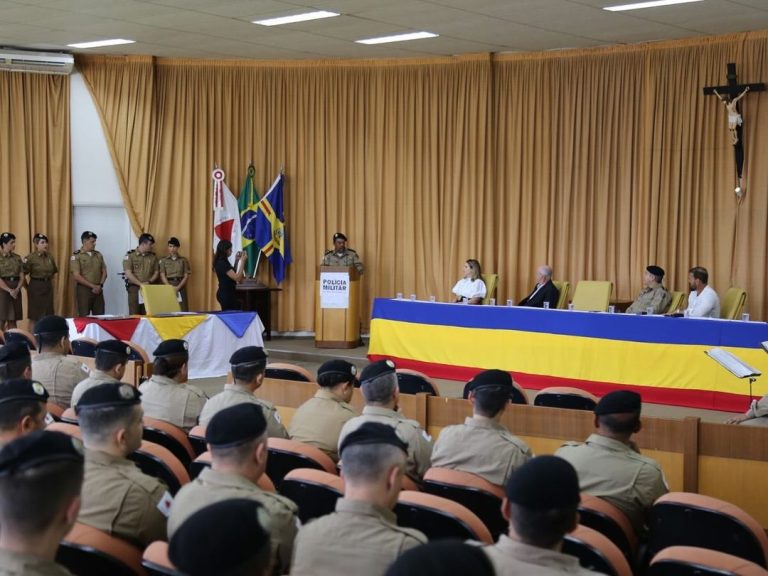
(143, 265)
(359, 538)
(11, 265)
(482, 447)
(88, 264)
(18, 564)
(419, 442)
(233, 395)
(318, 422)
(59, 374)
(613, 471)
(512, 558)
(347, 258)
(657, 298)
(213, 486)
(94, 379)
(757, 413)
(177, 267)
(40, 266)
(123, 501)
(165, 399)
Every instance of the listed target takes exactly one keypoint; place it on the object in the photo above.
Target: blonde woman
(471, 288)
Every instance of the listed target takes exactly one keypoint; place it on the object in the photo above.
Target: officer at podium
(341, 255)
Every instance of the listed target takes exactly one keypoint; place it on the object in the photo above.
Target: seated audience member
(41, 476)
(757, 415)
(544, 291)
(470, 288)
(237, 439)
(110, 362)
(229, 538)
(15, 362)
(362, 535)
(541, 506)
(703, 301)
(117, 497)
(653, 295)
(441, 558)
(609, 464)
(166, 395)
(249, 365)
(318, 422)
(53, 367)
(378, 383)
(482, 445)
(22, 408)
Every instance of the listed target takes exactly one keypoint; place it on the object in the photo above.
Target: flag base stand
(252, 283)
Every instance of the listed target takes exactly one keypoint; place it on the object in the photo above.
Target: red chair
(314, 491)
(439, 518)
(286, 455)
(86, 551)
(155, 460)
(54, 410)
(692, 561)
(566, 397)
(171, 437)
(596, 552)
(611, 522)
(415, 382)
(285, 371)
(156, 562)
(197, 439)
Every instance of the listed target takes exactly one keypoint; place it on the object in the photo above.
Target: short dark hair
(489, 401)
(168, 366)
(247, 372)
(700, 273)
(331, 379)
(97, 424)
(620, 423)
(542, 528)
(239, 453)
(49, 339)
(368, 463)
(106, 360)
(14, 368)
(13, 412)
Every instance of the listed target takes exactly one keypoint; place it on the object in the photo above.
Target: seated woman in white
(470, 288)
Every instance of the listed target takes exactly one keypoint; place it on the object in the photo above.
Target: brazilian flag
(248, 203)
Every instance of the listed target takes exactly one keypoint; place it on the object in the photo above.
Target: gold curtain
(598, 162)
(35, 192)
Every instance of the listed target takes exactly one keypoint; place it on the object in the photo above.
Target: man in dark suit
(544, 291)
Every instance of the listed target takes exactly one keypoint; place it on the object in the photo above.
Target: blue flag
(270, 229)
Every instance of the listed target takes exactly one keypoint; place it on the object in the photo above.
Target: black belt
(40, 279)
(11, 278)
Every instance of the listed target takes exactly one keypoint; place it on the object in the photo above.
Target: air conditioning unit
(42, 62)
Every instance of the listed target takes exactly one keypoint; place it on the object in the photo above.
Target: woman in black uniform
(226, 274)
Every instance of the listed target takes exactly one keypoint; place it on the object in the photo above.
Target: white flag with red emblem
(226, 215)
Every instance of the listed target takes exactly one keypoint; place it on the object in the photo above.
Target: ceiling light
(651, 4)
(296, 18)
(397, 38)
(100, 43)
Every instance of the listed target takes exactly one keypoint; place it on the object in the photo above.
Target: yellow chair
(677, 302)
(563, 288)
(491, 280)
(733, 303)
(160, 299)
(592, 295)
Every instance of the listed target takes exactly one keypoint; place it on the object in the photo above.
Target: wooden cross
(730, 94)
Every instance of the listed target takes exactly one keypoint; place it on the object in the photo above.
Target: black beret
(173, 347)
(39, 237)
(490, 379)
(618, 402)
(146, 238)
(108, 395)
(236, 425)
(38, 448)
(12, 352)
(248, 355)
(22, 389)
(51, 325)
(114, 347)
(376, 369)
(373, 433)
(442, 557)
(656, 270)
(220, 538)
(88, 235)
(7, 237)
(544, 483)
(338, 367)
(339, 236)
(173, 241)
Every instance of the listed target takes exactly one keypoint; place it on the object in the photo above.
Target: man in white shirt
(703, 301)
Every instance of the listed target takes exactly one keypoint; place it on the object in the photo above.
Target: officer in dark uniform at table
(90, 272)
(41, 268)
(140, 267)
(341, 255)
(175, 271)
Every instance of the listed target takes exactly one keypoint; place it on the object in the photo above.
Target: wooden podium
(337, 307)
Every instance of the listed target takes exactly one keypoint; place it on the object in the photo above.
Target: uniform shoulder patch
(165, 504)
(350, 250)
(76, 252)
(328, 252)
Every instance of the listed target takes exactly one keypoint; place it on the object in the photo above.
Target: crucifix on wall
(730, 95)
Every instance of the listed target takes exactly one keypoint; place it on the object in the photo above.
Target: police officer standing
(341, 255)
(11, 282)
(41, 269)
(175, 271)
(140, 267)
(90, 272)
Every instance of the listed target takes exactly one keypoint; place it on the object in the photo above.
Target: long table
(660, 357)
(212, 337)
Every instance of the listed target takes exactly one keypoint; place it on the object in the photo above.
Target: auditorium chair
(54, 410)
(439, 518)
(286, 455)
(65, 428)
(592, 295)
(692, 561)
(155, 460)
(471, 491)
(733, 304)
(197, 439)
(137, 353)
(677, 302)
(596, 552)
(491, 281)
(204, 461)
(20, 336)
(160, 299)
(686, 519)
(85, 347)
(171, 437)
(315, 492)
(414, 382)
(566, 397)
(86, 551)
(69, 416)
(156, 562)
(611, 522)
(516, 396)
(285, 371)
(562, 300)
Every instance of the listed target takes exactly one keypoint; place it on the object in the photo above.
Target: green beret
(248, 355)
(373, 433)
(235, 425)
(108, 395)
(376, 369)
(172, 347)
(544, 483)
(39, 448)
(22, 389)
(619, 402)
